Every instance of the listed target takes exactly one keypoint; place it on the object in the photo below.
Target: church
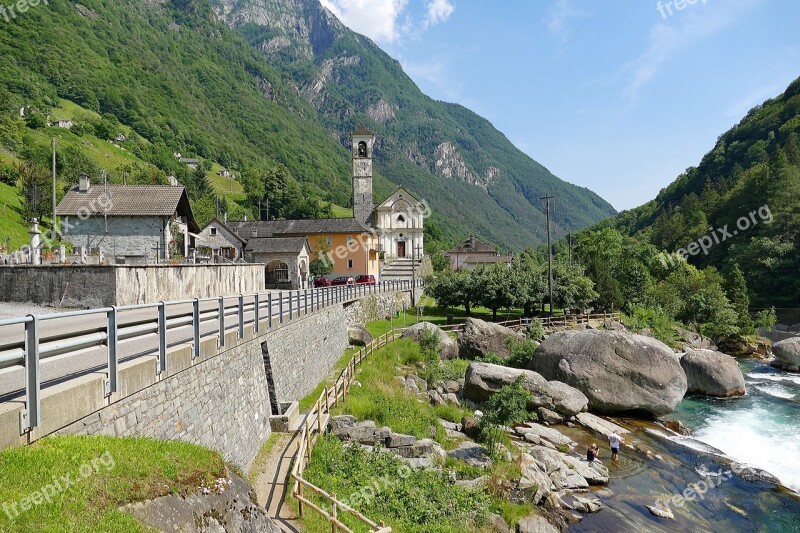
(398, 220)
(384, 241)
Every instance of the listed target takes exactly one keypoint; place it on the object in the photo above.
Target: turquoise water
(761, 429)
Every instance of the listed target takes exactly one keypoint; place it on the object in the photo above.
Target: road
(60, 368)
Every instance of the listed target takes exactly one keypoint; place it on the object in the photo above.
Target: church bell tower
(362, 141)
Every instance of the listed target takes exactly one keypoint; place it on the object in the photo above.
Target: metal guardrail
(314, 424)
(291, 305)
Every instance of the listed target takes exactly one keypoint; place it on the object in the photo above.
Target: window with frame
(350, 264)
(213, 231)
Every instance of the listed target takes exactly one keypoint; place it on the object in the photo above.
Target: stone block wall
(376, 307)
(221, 403)
(303, 352)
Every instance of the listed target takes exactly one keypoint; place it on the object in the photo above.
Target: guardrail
(31, 349)
(314, 424)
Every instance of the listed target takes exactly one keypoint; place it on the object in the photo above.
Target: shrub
(654, 319)
(506, 407)
(521, 353)
(536, 330)
(766, 319)
(492, 358)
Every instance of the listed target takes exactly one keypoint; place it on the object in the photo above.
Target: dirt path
(271, 484)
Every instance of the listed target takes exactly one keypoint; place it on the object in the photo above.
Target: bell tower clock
(362, 141)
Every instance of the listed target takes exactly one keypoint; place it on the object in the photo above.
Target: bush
(492, 358)
(656, 320)
(536, 330)
(521, 353)
(765, 319)
(506, 407)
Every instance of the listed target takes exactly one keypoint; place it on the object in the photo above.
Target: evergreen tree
(736, 290)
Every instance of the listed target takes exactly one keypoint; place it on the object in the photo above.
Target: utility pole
(569, 249)
(547, 199)
(54, 233)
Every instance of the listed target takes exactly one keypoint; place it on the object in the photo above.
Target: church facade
(398, 220)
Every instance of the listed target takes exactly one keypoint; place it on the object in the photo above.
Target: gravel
(16, 309)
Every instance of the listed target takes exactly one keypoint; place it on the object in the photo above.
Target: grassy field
(105, 473)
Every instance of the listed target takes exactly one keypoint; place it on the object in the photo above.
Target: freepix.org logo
(12, 11)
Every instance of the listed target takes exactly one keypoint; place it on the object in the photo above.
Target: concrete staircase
(401, 268)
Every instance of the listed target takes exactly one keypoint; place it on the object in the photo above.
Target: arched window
(401, 219)
(362, 149)
(277, 272)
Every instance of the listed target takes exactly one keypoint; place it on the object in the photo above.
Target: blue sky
(614, 96)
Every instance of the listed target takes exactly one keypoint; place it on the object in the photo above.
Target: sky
(619, 96)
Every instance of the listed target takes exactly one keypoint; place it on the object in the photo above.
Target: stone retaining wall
(376, 307)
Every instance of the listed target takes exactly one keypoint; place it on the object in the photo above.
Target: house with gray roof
(287, 260)
(472, 252)
(128, 223)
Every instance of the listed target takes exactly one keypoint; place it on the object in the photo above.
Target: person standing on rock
(591, 454)
(614, 441)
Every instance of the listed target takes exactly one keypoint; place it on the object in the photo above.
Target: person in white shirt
(614, 441)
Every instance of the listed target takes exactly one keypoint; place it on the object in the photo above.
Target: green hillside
(172, 77)
(750, 178)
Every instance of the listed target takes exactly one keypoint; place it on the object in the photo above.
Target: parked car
(322, 281)
(343, 280)
(369, 279)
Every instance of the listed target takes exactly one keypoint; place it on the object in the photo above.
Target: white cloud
(681, 31)
(438, 11)
(377, 19)
(559, 16)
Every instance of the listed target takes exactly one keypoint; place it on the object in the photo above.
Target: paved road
(61, 368)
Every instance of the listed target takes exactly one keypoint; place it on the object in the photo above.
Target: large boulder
(712, 373)
(447, 346)
(480, 338)
(618, 372)
(787, 353)
(567, 400)
(484, 379)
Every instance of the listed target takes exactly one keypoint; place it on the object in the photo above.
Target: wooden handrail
(310, 429)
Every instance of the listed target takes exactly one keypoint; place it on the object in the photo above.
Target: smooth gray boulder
(484, 379)
(787, 352)
(567, 400)
(480, 338)
(712, 373)
(359, 335)
(695, 341)
(618, 372)
(448, 348)
(472, 453)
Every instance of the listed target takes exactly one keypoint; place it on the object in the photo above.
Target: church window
(362, 149)
(401, 219)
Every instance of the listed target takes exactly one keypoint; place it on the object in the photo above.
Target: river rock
(549, 434)
(484, 379)
(535, 523)
(741, 346)
(787, 352)
(586, 505)
(599, 425)
(712, 373)
(661, 513)
(690, 339)
(472, 453)
(359, 335)
(533, 476)
(594, 473)
(618, 372)
(480, 338)
(567, 400)
(448, 348)
(549, 417)
(498, 524)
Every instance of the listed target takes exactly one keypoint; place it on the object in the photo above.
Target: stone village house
(128, 223)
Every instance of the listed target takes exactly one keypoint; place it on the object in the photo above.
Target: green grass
(119, 471)
(12, 228)
(338, 211)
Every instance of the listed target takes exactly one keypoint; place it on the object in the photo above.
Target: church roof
(362, 130)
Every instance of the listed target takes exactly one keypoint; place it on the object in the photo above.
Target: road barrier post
(113, 367)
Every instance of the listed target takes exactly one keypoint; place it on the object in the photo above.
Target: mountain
(449, 155)
(270, 89)
(742, 202)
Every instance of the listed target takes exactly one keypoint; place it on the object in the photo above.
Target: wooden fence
(314, 424)
(549, 323)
